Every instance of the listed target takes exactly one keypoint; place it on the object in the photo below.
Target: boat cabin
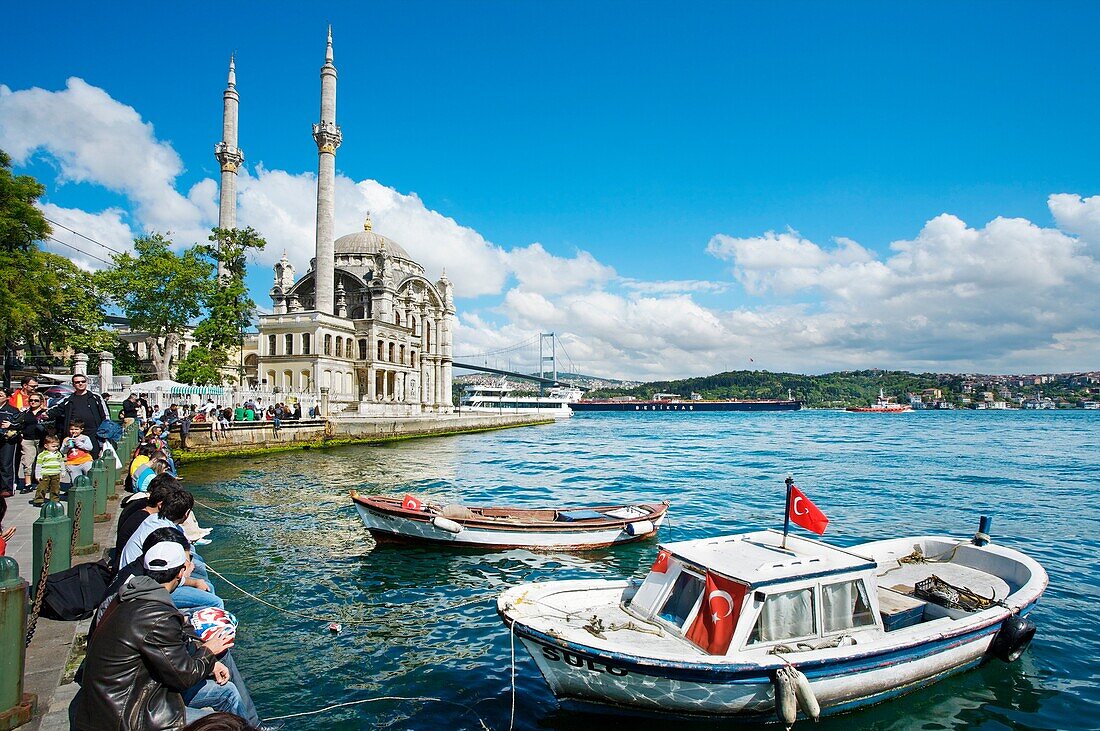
(807, 592)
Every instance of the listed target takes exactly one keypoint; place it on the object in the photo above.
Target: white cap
(165, 556)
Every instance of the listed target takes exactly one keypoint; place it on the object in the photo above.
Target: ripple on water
(421, 623)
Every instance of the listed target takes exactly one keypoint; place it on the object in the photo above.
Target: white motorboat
(548, 529)
(501, 398)
(756, 626)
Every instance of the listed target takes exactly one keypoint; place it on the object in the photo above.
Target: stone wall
(254, 436)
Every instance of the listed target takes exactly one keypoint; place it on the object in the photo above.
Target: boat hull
(384, 525)
(687, 406)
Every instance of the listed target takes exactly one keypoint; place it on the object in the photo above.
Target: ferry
(883, 405)
(674, 402)
(499, 399)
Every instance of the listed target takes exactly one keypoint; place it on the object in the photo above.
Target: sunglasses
(79, 383)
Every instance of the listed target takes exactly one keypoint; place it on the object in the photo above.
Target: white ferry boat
(500, 399)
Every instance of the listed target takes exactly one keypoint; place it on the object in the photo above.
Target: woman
(34, 429)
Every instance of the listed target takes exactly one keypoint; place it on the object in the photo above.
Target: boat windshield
(685, 593)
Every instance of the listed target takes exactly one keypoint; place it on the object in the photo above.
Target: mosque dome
(368, 243)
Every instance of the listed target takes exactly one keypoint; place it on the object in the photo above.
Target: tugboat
(883, 405)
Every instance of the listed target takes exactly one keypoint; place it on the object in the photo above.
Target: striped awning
(197, 391)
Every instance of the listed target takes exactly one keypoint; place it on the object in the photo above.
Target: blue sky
(649, 149)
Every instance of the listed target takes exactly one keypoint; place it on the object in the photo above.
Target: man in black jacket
(140, 657)
(82, 405)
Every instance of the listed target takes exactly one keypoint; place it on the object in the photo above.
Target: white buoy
(807, 701)
(786, 705)
(446, 524)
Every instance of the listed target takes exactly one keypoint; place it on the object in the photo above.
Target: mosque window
(362, 350)
(401, 354)
(392, 359)
(412, 358)
(305, 343)
(381, 352)
(328, 344)
(339, 346)
(288, 345)
(271, 345)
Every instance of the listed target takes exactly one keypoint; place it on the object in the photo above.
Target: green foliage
(201, 367)
(159, 291)
(75, 308)
(21, 223)
(229, 307)
(848, 388)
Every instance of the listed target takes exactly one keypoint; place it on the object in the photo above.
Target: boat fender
(807, 701)
(1012, 638)
(786, 705)
(640, 528)
(446, 524)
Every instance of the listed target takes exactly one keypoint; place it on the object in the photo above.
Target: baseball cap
(165, 556)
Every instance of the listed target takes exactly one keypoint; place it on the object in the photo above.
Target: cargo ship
(674, 402)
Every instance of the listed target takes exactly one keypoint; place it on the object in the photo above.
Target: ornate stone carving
(230, 157)
(328, 137)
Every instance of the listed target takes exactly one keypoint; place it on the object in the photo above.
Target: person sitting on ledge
(141, 656)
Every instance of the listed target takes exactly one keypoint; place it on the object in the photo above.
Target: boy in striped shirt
(47, 470)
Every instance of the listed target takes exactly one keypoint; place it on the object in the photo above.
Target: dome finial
(368, 224)
(232, 71)
(328, 49)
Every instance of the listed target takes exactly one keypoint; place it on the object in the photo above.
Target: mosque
(363, 324)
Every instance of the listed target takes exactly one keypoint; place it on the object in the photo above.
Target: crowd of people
(159, 653)
(136, 408)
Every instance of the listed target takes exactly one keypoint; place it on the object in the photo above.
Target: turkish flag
(804, 513)
(712, 629)
(660, 566)
(411, 503)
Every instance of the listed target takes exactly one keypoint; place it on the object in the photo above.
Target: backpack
(110, 430)
(75, 593)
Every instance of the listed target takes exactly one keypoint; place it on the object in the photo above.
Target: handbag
(75, 593)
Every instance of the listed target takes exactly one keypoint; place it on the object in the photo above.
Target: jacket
(140, 658)
(14, 433)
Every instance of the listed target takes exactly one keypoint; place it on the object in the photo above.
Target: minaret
(229, 156)
(327, 136)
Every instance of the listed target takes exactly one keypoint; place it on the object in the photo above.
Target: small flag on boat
(411, 503)
(803, 512)
(713, 627)
(660, 566)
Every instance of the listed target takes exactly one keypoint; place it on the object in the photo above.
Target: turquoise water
(420, 623)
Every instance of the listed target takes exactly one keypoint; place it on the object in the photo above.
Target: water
(421, 623)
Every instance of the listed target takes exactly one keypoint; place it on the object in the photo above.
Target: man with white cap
(142, 656)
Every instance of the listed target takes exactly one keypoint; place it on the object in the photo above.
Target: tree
(229, 308)
(160, 292)
(74, 306)
(21, 223)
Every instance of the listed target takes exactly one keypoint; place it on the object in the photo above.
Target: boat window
(785, 616)
(845, 606)
(681, 600)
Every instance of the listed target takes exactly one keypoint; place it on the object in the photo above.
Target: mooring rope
(303, 615)
(219, 512)
(512, 642)
(381, 698)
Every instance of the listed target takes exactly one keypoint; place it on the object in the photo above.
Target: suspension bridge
(534, 359)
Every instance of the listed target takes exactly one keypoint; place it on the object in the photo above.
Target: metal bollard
(55, 529)
(98, 477)
(82, 512)
(16, 708)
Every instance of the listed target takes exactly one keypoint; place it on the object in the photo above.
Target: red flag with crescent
(713, 627)
(660, 566)
(411, 503)
(805, 513)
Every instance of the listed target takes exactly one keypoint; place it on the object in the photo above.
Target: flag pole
(787, 511)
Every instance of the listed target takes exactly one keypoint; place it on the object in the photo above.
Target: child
(47, 470)
(77, 449)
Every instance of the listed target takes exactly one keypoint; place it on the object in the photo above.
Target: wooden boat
(741, 626)
(509, 527)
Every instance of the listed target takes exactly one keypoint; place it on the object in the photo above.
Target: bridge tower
(548, 355)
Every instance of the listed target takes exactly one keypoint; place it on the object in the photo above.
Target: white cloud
(1010, 295)
(94, 138)
(107, 228)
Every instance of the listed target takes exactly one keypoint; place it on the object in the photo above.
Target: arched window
(328, 346)
(271, 345)
(412, 358)
(428, 336)
(305, 343)
(401, 354)
(339, 347)
(392, 359)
